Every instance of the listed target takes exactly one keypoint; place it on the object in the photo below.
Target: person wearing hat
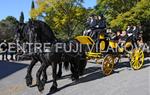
(129, 30)
(101, 26)
(91, 24)
(101, 22)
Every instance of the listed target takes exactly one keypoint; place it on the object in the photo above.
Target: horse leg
(59, 74)
(29, 70)
(54, 75)
(74, 70)
(82, 65)
(38, 76)
(44, 74)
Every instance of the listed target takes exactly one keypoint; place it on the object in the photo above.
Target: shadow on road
(146, 63)
(93, 73)
(8, 68)
(127, 64)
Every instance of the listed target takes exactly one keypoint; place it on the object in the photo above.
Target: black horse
(38, 31)
(24, 34)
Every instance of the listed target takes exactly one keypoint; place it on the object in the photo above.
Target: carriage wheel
(108, 64)
(137, 59)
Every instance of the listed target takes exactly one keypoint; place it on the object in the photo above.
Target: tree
(120, 13)
(8, 27)
(21, 19)
(137, 14)
(113, 8)
(65, 17)
(32, 8)
(32, 5)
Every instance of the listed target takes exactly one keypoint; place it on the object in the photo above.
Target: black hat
(92, 15)
(101, 15)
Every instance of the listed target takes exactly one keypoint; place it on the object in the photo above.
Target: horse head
(30, 31)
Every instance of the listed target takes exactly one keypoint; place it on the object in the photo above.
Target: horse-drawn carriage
(42, 33)
(110, 51)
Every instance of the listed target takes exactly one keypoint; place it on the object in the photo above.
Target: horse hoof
(81, 74)
(44, 80)
(73, 78)
(40, 87)
(28, 81)
(53, 89)
(59, 76)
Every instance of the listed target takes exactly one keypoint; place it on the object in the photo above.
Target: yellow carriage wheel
(108, 64)
(137, 59)
(102, 45)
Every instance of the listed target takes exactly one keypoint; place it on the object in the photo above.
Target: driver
(101, 26)
(91, 24)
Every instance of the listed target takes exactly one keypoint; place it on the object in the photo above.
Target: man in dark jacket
(101, 26)
(91, 24)
(129, 30)
(101, 22)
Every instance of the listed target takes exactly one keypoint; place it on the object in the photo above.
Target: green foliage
(138, 13)
(120, 13)
(7, 28)
(21, 19)
(32, 5)
(65, 17)
(32, 8)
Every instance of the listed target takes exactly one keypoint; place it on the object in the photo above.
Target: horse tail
(66, 65)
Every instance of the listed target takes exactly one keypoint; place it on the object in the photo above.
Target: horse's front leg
(44, 74)
(54, 75)
(29, 71)
(38, 76)
(59, 74)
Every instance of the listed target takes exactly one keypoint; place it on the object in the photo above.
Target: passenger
(135, 30)
(91, 24)
(134, 33)
(101, 22)
(123, 38)
(101, 26)
(97, 19)
(140, 35)
(129, 30)
(118, 35)
(111, 34)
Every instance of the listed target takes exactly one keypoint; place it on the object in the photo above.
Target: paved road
(124, 81)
